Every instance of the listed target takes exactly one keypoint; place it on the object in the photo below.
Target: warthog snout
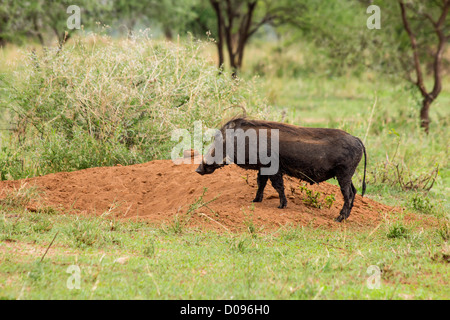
(200, 170)
(205, 169)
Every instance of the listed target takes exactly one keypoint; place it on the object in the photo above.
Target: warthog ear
(231, 125)
(227, 159)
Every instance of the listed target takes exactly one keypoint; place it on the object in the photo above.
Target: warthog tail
(365, 165)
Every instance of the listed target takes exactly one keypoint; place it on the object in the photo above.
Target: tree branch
(267, 18)
(244, 31)
(216, 5)
(413, 41)
(440, 51)
(229, 30)
(430, 18)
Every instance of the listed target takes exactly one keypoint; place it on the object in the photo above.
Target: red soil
(158, 191)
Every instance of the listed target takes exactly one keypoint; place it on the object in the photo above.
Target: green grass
(135, 260)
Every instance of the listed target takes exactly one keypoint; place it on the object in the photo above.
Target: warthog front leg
(262, 181)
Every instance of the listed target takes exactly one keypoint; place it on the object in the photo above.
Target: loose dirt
(160, 192)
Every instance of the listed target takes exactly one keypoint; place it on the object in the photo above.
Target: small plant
(113, 208)
(291, 233)
(85, 239)
(199, 203)
(249, 221)
(397, 173)
(177, 225)
(250, 227)
(85, 234)
(444, 231)
(240, 245)
(397, 230)
(313, 198)
(148, 249)
(48, 211)
(40, 224)
(329, 200)
(422, 204)
(20, 198)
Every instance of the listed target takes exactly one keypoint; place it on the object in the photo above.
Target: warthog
(309, 154)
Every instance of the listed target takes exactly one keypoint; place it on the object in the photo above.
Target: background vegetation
(113, 91)
(103, 102)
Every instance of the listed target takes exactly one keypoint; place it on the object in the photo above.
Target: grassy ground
(123, 260)
(133, 260)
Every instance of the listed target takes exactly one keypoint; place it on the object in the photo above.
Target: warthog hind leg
(277, 183)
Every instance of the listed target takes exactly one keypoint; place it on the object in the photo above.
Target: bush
(100, 102)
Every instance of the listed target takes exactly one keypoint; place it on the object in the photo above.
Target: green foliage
(200, 203)
(101, 102)
(313, 198)
(248, 221)
(83, 234)
(444, 231)
(397, 230)
(339, 33)
(43, 20)
(40, 223)
(240, 245)
(329, 200)
(148, 249)
(337, 41)
(421, 203)
(176, 226)
(19, 197)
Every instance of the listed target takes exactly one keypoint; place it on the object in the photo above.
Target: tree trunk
(227, 15)
(424, 114)
(37, 30)
(168, 33)
(219, 43)
(240, 54)
(244, 32)
(233, 64)
(428, 97)
(231, 15)
(41, 38)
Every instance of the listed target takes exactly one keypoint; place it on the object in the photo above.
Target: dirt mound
(158, 191)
